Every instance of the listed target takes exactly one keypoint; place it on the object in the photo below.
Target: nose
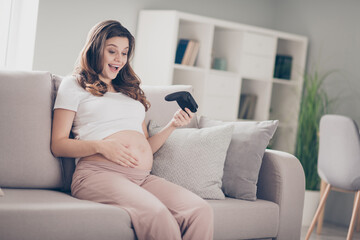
(117, 57)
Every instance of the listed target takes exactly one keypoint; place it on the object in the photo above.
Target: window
(18, 20)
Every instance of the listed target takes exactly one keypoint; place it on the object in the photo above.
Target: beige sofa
(37, 204)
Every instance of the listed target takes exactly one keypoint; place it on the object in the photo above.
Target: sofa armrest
(282, 180)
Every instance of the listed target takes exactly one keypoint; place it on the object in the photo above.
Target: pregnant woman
(104, 107)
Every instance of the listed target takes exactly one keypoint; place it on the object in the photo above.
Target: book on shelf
(187, 51)
(187, 54)
(194, 54)
(283, 64)
(247, 106)
(180, 51)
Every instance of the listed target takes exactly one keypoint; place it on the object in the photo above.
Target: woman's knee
(160, 218)
(157, 211)
(198, 210)
(204, 210)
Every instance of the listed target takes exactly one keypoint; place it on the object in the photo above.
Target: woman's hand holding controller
(117, 153)
(181, 118)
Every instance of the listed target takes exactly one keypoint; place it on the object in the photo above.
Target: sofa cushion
(194, 158)
(25, 112)
(240, 219)
(244, 156)
(46, 214)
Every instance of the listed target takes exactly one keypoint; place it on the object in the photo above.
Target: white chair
(338, 163)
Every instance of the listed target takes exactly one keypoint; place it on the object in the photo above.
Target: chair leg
(358, 221)
(354, 215)
(317, 214)
(321, 217)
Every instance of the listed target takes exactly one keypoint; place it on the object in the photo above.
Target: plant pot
(311, 202)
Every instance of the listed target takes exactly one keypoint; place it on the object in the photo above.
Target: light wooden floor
(329, 232)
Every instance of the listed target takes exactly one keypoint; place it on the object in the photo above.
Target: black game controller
(184, 99)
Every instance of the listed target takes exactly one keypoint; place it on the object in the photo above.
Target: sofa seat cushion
(46, 214)
(241, 219)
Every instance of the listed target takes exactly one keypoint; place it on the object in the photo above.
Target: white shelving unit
(250, 54)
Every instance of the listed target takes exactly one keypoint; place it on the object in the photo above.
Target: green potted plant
(314, 104)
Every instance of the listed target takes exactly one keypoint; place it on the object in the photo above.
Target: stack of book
(247, 106)
(187, 51)
(283, 67)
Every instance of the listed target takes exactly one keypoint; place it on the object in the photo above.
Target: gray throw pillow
(244, 156)
(194, 158)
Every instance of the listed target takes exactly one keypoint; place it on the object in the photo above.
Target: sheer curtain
(18, 20)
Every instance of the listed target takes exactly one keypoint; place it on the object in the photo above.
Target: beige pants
(158, 209)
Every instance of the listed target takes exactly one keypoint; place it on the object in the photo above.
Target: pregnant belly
(136, 143)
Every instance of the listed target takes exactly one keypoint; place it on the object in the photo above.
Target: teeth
(114, 66)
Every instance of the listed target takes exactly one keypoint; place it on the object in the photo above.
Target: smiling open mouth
(114, 68)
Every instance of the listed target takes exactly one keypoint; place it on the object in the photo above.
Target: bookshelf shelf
(259, 80)
(188, 68)
(224, 73)
(233, 60)
(286, 82)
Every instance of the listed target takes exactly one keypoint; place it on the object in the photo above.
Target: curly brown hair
(90, 63)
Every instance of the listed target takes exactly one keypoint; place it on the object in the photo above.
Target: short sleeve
(69, 94)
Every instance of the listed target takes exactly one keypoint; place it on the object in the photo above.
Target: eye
(124, 53)
(111, 51)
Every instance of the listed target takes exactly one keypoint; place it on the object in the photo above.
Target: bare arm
(180, 118)
(63, 146)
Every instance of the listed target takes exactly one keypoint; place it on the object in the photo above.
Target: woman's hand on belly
(117, 152)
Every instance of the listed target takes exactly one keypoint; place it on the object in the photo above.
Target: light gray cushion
(239, 219)
(194, 158)
(244, 156)
(25, 112)
(45, 214)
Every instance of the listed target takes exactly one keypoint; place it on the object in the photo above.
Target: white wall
(334, 43)
(63, 25)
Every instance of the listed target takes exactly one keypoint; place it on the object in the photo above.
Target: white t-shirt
(99, 117)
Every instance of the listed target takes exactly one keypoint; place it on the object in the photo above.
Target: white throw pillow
(194, 158)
